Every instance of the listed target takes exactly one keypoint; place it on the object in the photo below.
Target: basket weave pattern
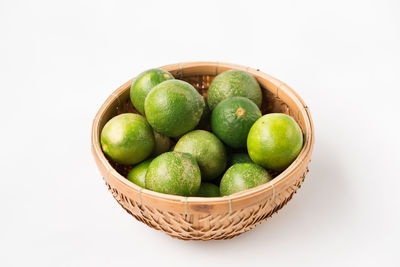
(209, 226)
(208, 219)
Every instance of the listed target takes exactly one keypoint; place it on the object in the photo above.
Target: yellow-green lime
(174, 173)
(127, 138)
(233, 83)
(138, 174)
(274, 141)
(243, 176)
(143, 83)
(207, 150)
(173, 107)
(161, 144)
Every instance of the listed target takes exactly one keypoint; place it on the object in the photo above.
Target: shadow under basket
(198, 218)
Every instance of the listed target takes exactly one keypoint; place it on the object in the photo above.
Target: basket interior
(270, 104)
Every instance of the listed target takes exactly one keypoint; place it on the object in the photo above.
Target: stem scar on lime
(240, 112)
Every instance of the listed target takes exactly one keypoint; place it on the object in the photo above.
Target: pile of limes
(172, 153)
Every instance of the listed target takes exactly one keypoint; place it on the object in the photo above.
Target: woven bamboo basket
(198, 218)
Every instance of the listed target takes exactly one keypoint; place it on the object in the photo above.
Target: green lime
(143, 83)
(240, 158)
(233, 83)
(138, 174)
(208, 190)
(173, 107)
(274, 141)
(207, 150)
(127, 138)
(174, 173)
(161, 144)
(243, 176)
(232, 119)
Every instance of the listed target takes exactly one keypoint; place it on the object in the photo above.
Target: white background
(60, 60)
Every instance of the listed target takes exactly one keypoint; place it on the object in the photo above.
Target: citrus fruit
(143, 83)
(208, 190)
(233, 83)
(243, 176)
(138, 174)
(127, 138)
(232, 119)
(240, 158)
(274, 141)
(173, 107)
(207, 150)
(161, 144)
(174, 173)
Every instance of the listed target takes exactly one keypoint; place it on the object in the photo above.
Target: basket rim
(266, 190)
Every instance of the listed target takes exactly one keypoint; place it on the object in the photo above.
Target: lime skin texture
(173, 107)
(274, 141)
(233, 83)
(127, 138)
(208, 190)
(240, 158)
(143, 83)
(207, 150)
(232, 119)
(161, 144)
(174, 173)
(243, 176)
(138, 174)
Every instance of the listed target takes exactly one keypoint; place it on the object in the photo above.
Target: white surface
(59, 62)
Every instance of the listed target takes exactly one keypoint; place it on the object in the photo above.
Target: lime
(127, 138)
(240, 158)
(274, 141)
(161, 144)
(174, 173)
(232, 119)
(173, 107)
(208, 190)
(143, 83)
(243, 176)
(207, 150)
(233, 83)
(138, 174)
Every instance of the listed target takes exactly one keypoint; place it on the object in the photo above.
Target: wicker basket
(197, 218)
